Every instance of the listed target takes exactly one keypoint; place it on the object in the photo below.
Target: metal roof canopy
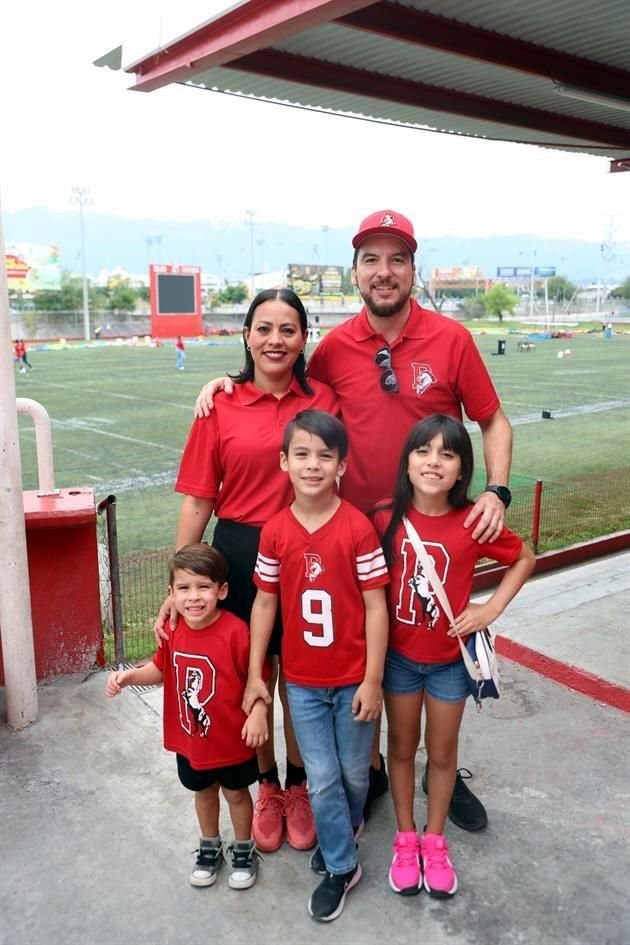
(554, 74)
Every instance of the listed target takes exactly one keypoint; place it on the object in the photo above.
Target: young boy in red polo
(203, 665)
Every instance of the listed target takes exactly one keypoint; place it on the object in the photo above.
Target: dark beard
(385, 309)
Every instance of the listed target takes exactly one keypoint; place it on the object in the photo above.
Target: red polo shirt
(233, 456)
(439, 370)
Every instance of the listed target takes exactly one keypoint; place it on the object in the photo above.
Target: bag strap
(440, 592)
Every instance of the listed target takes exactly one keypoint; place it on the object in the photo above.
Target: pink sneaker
(440, 880)
(268, 822)
(405, 874)
(301, 833)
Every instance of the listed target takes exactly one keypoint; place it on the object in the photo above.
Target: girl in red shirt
(424, 663)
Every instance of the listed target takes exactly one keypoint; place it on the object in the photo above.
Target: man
(391, 365)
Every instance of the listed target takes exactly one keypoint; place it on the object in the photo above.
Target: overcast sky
(183, 153)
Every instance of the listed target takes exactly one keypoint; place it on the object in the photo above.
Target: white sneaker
(244, 864)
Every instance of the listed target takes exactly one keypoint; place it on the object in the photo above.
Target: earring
(248, 348)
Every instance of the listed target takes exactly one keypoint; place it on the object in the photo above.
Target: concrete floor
(97, 832)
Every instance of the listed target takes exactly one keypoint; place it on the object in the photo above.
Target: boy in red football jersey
(203, 665)
(324, 559)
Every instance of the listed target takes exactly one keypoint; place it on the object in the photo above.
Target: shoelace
(298, 804)
(405, 854)
(241, 859)
(437, 859)
(208, 856)
(269, 800)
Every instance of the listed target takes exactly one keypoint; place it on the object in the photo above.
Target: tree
(621, 291)
(560, 289)
(69, 298)
(122, 298)
(232, 294)
(498, 300)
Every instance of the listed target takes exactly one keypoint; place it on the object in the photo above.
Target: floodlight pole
(18, 652)
(250, 214)
(531, 289)
(80, 196)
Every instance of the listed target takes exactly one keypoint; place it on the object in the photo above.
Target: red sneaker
(301, 834)
(268, 823)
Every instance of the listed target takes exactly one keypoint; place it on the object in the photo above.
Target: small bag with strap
(478, 651)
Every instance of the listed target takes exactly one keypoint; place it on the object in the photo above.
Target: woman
(230, 467)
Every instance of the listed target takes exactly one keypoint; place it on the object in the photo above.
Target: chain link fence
(547, 515)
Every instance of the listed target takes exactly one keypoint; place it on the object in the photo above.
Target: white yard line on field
(558, 413)
(78, 424)
(108, 393)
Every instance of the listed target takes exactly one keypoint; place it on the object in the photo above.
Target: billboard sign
(514, 272)
(33, 266)
(545, 271)
(309, 281)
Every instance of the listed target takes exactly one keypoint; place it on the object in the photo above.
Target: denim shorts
(444, 681)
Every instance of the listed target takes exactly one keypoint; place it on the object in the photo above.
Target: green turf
(121, 415)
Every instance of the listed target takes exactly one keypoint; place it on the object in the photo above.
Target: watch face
(503, 493)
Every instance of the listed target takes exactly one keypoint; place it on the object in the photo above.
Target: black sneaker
(329, 898)
(244, 864)
(379, 784)
(316, 861)
(209, 859)
(465, 810)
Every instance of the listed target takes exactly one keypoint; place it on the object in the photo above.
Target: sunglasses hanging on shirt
(388, 379)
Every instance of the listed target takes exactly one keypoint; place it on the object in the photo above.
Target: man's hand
(166, 619)
(489, 514)
(205, 400)
(255, 689)
(367, 704)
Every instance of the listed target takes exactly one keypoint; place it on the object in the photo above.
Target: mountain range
(226, 249)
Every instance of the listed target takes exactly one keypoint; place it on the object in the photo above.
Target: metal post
(80, 196)
(250, 221)
(536, 514)
(531, 288)
(18, 651)
(109, 506)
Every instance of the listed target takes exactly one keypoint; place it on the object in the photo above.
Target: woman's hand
(166, 619)
(205, 400)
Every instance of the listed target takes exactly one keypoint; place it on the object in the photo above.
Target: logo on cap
(387, 220)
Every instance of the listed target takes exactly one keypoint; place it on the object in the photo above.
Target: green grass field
(121, 415)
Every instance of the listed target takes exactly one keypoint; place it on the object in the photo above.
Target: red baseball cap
(386, 223)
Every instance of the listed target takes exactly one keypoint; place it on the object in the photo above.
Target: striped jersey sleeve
(371, 566)
(267, 568)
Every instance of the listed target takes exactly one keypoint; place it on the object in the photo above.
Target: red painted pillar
(63, 575)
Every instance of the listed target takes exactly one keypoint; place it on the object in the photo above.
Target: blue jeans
(180, 357)
(336, 751)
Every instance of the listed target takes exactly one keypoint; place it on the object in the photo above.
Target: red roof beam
(438, 32)
(241, 30)
(345, 79)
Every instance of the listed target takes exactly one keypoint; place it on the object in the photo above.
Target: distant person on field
(180, 353)
(203, 665)
(19, 349)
